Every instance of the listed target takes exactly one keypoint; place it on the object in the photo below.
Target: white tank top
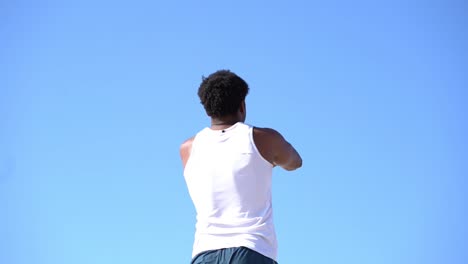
(230, 185)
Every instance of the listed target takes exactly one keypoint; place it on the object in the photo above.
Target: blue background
(96, 97)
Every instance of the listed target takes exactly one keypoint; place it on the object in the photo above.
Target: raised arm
(274, 148)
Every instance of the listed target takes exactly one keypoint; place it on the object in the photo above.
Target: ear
(242, 107)
(242, 111)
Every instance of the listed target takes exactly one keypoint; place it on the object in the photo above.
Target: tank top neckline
(224, 130)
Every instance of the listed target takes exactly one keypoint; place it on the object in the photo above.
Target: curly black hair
(222, 92)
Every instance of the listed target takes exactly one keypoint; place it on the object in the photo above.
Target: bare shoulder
(185, 149)
(266, 140)
(187, 143)
(274, 148)
(267, 133)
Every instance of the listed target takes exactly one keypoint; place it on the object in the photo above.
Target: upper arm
(276, 149)
(185, 150)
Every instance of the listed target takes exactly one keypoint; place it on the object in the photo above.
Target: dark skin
(270, 143)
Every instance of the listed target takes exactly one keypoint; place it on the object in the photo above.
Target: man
(228, 168)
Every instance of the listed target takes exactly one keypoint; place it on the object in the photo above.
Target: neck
(223, 122)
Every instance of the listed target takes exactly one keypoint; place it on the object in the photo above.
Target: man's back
(230, 184)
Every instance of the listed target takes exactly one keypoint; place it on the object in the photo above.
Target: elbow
(299, 164)
(294, 166)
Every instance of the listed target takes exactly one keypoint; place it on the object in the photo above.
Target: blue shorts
(236, 255)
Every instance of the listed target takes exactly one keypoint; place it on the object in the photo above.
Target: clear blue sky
(96, 97)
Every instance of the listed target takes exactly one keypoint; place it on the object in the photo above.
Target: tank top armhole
(194, 141)
(252, 141)
(193, 146)
(191, 153)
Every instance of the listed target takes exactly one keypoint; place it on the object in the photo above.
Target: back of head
(222, 93)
